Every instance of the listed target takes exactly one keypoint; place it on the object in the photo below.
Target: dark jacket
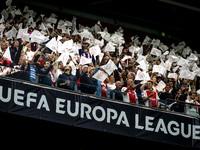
(87, 83)
(63, 77)
(45, 77)
(15, 53)
(45, 71)
(118, 94)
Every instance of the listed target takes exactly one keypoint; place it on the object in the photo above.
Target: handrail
(192, 111)
(169, 99)
(76, 89)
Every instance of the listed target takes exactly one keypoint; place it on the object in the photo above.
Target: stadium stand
(61, 56)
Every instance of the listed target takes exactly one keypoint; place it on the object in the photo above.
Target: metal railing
(77, 87)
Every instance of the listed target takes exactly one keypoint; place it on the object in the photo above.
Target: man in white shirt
(190, 109)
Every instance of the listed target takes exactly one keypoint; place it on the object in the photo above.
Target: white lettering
(102, 111)
(196, 133)
(109, 111)
(83, 106)
(123, 116)
(161, 126)
(148, 123)
(183, 132)
(8, 95)
(43, 103)
(59, 105)
(29, 99)
(177, 131)
(137, 126)
(18, 97)
(69, 109)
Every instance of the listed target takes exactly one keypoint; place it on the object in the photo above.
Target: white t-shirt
(189, 108)
(111, 86)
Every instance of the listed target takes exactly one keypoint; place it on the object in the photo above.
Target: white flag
(192, 57)
(172, 75)
(42, 27)
(30, 55)
(156, 52)
(126, 57)
(161, 85)
(2, 19)
(37, 36)
(85, 60)
(22, 32)
(64, 58)
(186, 74)
(73, 68)
(105, 35)
(109, 47)
(158, 68)
(142, 75)
(9, 34)
(52, 44)
(75, 32)
(14, 30)
(7, 54)
(95, 50)
(109, 67)
(100, 75)
(101, 57)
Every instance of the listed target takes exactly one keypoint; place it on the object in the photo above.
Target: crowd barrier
(77, 87)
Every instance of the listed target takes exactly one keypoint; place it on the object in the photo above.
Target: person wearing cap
(66, 80)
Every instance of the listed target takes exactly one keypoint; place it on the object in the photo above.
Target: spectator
(67, 80)
(130, 75)
(22, 60)
(31, 69)
(45, 56)
(58, 70)
(47, 76)
(87, 84)
(197, 102)
(129, 94)
(154, 82)
(172, 89)
(85, 52)
(190, 109)
(111, 85)
(117, 91)
(150, 96)
(179, 107)
(166, 95)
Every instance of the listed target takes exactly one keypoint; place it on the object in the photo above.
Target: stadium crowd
(65, 54)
